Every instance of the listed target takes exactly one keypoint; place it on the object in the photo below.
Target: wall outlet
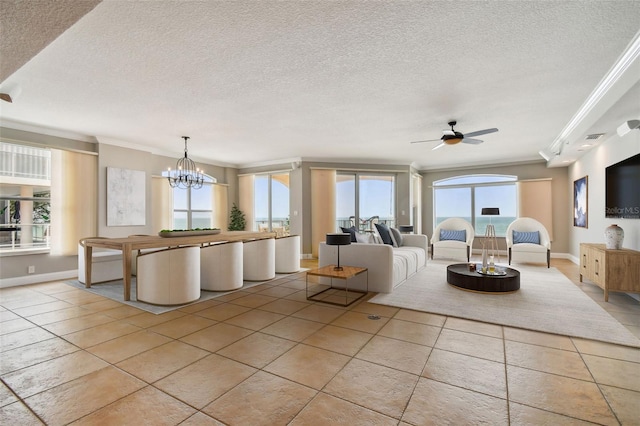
(32, 269)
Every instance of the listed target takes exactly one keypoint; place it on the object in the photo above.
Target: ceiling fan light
(452, 141)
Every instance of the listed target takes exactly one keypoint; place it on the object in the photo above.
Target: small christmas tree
(237, 222)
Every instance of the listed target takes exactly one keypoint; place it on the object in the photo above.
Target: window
(271, 203)
(364, 199)
(465, 196)
(193, 208)
(25, 191)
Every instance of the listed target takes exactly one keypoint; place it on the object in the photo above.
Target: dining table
(141, 242)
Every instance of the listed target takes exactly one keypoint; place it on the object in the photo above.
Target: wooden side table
(331, 294)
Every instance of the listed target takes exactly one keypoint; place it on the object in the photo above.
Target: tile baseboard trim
(40, 278)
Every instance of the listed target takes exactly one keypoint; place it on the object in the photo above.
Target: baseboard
(306, 256)
(40, 278)
(568, 256)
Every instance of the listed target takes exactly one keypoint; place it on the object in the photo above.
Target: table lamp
(338, 240)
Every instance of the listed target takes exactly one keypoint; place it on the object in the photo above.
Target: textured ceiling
(254, 82)
(28, 27)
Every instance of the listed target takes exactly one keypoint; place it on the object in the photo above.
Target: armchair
(453, 244)
(528, 241)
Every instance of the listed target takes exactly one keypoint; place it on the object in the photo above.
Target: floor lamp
(490, 235)
(338, 240)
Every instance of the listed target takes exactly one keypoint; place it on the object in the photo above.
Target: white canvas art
(125, 197)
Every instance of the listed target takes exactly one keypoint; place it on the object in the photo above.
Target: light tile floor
(267, 356)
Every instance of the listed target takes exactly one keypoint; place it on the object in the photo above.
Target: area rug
(547, 301)
(114, 290)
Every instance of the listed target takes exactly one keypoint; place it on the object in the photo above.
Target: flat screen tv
(623, 189)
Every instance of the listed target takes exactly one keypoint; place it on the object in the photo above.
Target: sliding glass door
(271, 203)
(365, 199)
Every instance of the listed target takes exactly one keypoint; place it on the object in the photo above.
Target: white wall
(593, 164)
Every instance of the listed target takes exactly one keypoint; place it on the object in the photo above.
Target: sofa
(388, 266)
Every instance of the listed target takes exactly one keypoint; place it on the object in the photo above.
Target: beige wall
(16, 267)
(402, 192)
(538, 170)
(300, 205)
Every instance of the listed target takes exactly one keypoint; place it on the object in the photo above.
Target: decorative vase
(613, 236)
(484, 260)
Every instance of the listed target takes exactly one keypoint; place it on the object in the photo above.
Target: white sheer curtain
(161, 204)
(74, 200)
(535, 201)
(323, 206)
(220, 197)
(245, 192)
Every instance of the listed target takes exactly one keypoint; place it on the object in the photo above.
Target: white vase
(613, 236)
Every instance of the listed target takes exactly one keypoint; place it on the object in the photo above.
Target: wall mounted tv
(623, 189)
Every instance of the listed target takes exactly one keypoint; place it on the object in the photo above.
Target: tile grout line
(506, 375)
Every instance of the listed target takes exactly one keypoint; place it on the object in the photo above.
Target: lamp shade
(490, 211)
(405, 228)
(338, 239)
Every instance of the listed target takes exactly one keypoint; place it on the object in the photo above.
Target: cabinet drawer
(584, 262)
(598, 266)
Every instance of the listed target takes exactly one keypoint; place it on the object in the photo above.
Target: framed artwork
(125, 197)
(580, 202)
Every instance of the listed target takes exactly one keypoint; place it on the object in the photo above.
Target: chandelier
(186, 175)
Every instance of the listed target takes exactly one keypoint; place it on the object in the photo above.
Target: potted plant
(237, 221)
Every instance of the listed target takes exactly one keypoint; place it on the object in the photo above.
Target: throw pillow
(526, 237)
(384, 232)
(397, 236)
(351, 231)
(365, 238)
(450, 234)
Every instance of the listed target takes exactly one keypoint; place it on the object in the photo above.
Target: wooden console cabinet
(611, 270)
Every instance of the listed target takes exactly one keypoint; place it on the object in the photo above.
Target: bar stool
(288, 254)
(259, 260)
(169, 277)
(221, 266)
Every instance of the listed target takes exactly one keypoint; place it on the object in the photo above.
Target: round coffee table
(459, 275)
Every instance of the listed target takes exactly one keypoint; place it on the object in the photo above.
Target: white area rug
(114, 290)
(547, 301)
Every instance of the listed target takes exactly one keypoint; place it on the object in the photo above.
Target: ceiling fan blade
(448, 133)
(481, 132)
(472, 141)
(430, 140)
(438, 146)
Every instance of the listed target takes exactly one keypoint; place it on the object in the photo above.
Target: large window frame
(451, 188)
(350, 197)
(25, 199)
(184, 214)
(275, 182)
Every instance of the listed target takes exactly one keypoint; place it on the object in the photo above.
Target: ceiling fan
(452, 137)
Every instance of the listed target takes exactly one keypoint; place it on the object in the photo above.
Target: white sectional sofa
(388, 266)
